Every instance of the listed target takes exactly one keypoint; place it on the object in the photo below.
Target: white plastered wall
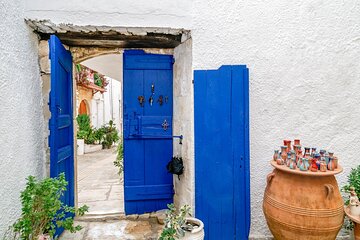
(21, 110)
(302, 56)
(304, 75)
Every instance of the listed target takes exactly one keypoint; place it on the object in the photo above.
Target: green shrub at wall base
(42, 209)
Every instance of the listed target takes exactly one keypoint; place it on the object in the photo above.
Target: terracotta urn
(303, 205)
(356, 231)
(356, 222)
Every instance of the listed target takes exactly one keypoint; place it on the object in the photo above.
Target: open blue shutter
(222, 186)
(61, 139)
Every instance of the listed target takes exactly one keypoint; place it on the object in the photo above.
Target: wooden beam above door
(110, 37)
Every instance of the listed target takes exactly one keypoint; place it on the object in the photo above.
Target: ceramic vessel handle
(329, 190)
(270, 177)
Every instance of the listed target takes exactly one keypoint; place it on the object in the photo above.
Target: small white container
(80, 147)
(355, 210)
(197, 233)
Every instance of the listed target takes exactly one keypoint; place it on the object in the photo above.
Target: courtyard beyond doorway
(99, 185)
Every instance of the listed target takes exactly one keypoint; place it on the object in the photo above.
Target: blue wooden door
(61, 139)
(222, 196)
(147, 128)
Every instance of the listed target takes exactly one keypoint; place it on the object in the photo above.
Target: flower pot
(44, 237)
(197, 233)
(355, 210)
(356, 221)
(303, 205)
(80, 147)
(356, 231)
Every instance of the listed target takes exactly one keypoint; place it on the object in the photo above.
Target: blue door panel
(149, 192)
(221, 152)
(134, 177)
(149, 126)
(149, 61)
(147, 143)
(61, 139)
(159, 148)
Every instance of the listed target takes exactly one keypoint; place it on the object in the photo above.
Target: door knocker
(165, 125)
(153, 88)
(166, 99)
(141, 100)
(160, 100)
(151, 100)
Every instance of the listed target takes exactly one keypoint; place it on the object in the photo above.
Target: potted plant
(89, 135)
(178, 225)
(353, 185)
(110, 135)
(80, 142)
(84, 130)
(43, 211)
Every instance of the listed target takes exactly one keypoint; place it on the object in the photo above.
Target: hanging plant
(97, 80)
(86, 76)
(81, 75)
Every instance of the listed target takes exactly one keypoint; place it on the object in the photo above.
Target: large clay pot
(356, 221)
(303, 206)
(357, 231)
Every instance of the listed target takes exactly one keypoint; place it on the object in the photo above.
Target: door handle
(58, 108)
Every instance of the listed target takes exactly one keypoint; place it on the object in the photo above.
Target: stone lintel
(110, 37)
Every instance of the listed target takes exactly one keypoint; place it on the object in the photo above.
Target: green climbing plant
(119, 161)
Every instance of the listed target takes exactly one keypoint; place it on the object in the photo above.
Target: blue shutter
(222, 186)
(61, 139)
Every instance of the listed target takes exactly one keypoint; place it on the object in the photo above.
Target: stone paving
(101, 188)
(99, 185)
(144, 229)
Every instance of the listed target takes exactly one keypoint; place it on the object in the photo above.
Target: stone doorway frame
(87, 42)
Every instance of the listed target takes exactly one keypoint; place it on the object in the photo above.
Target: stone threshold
(159, 215)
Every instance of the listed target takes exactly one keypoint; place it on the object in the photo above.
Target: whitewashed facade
(304, 78)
